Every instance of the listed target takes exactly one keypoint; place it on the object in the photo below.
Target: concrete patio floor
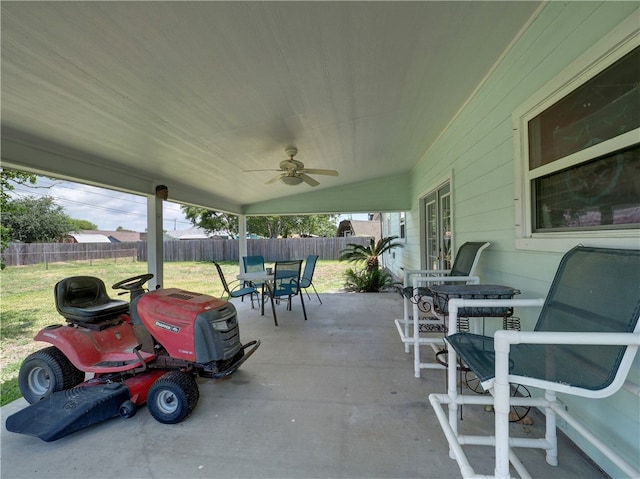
(332, 397)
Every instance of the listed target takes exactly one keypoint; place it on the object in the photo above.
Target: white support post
(155, 245)
(242, 241)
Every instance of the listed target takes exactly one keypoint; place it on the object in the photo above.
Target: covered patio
(334, 396)
(415, 104)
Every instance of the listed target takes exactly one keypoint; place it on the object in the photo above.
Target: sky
(105, 208)
(110, 209)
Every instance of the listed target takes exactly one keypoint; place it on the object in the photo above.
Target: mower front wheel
(173, 397)
(45, 372)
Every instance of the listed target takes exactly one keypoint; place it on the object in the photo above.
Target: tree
(9, 179)
(79, 225)
(210, 220)
(36, 220)
(268, 226)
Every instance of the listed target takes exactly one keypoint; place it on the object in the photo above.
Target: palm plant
(355, 253)
(370, 279)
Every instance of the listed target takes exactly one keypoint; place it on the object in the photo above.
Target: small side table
(444, 292)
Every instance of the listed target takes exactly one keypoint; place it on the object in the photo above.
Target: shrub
(366, 281)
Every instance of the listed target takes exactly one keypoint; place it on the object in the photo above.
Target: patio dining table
(265, 277)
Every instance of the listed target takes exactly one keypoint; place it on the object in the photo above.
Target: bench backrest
(467, 258)
(594, 290)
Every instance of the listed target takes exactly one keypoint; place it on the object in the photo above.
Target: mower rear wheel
(173, 397)
(45, 372)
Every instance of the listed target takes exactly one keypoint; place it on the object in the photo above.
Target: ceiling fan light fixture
(291, 180)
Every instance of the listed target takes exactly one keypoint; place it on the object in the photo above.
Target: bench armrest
(424, 280)
(423, 272)
(504, 339)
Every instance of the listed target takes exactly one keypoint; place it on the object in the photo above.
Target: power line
(25, 190)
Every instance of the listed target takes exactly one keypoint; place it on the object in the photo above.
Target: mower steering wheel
(134, 282)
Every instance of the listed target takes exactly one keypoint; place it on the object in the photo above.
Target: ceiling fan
(293, 172)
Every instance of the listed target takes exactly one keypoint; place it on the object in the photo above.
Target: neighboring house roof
(360, 228)
(116, 236)
(196, 233)
(89, 238)
(124, 236)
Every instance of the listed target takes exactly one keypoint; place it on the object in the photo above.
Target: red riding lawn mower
(148, 350)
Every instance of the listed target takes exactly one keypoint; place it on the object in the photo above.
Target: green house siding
(477, 152)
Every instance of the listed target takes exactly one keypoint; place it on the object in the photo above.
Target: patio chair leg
(316, 291)
(303, 308)
(273, 309)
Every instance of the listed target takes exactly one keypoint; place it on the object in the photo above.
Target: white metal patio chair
(583, 344)
(417, 299)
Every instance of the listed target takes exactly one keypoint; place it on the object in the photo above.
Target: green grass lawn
(27, 304)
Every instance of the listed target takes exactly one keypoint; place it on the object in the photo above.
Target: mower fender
(108, 350)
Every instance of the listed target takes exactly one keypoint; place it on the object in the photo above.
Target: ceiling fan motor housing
(291, 151)
(291, 165)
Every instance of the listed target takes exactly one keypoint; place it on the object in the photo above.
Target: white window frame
(610, 49)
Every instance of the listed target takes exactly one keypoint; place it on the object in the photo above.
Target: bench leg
(416, 344)
(551, 434)
(406, 322)
(501, 392)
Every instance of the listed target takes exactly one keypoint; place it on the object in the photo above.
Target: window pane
(601, 194)
(606, 106)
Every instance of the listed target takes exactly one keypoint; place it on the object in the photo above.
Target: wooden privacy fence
(22, 254)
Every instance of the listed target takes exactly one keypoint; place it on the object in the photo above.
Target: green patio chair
(307, 275)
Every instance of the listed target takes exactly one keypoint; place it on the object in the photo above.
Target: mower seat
(85, 299)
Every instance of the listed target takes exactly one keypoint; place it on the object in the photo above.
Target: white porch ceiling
(189, 94)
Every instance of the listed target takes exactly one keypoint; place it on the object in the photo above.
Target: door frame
(447, 179)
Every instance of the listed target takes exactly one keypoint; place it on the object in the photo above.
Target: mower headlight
(220, 325)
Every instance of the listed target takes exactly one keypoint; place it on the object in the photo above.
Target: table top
(255, 276)
(443, 292)
(447, 289)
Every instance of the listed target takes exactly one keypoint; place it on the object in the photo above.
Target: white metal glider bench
(417, 300)
(583, 344)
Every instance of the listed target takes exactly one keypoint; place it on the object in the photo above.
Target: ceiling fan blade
(308, 180)
(275, 178)
(270, 169)
(314, 171)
